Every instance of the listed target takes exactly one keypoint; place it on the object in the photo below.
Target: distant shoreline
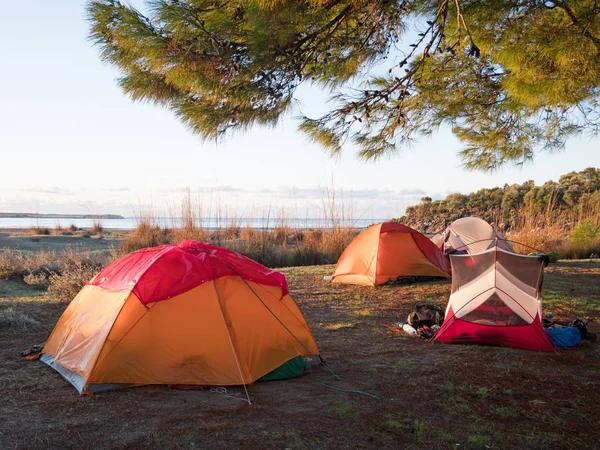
(58, 216)
(112, 222)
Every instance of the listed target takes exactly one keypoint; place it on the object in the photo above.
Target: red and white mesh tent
(473, 235)
(496, 300)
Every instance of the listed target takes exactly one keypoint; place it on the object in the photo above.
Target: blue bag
(564, 336)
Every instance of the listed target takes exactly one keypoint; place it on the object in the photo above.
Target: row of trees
(576, 196)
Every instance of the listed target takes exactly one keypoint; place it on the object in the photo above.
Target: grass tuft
(10, 319)
(41, 231)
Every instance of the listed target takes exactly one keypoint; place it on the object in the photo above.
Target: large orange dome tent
(185, 314)
(387, 251)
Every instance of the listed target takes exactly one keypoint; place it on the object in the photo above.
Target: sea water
(209, 223)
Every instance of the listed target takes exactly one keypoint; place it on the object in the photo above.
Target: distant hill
(58, 216)
(576, 195)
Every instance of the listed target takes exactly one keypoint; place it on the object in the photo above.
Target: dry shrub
(276, 248)
(313, 238)
(66, 284)
(231, 232)
(147, 234)
(280, 234)
(14, 263)
(96, 226)
(189, 234)
(335, 242)
(74, 269)
(576, 236)
(60, 231)
(64, 273)
(40, 279)
(326, 246)
(221, 236)
(44, 231)
(248, 234)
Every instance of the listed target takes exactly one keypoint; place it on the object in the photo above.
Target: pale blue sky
(72, 142)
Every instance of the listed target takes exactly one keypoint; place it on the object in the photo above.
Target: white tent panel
(514, 279)
(474, 235)
(470, 296)
(526, 296)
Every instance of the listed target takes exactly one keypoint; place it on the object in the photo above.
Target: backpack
(581, 325)
(425, 314)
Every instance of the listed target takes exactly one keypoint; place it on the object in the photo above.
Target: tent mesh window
(494, 312)
(468, 268)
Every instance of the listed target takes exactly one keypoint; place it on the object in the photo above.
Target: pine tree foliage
(510, 77)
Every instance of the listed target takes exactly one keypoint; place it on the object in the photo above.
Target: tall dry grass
(278, 245)
(573, 234)
(97, 226)
(191, 213)
(148, 233)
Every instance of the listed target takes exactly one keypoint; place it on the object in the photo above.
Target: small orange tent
(386, 251)
(186, 314)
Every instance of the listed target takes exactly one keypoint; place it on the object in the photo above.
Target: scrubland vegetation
(562, 216)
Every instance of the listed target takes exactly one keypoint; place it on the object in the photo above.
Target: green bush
(585, 233)
(584, 240)
(554, 257)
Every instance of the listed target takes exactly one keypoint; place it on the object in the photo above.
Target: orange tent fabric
(186, 314)
(386, 251)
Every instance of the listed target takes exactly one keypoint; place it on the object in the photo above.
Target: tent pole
(237, 361)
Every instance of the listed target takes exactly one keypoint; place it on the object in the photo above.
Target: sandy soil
(23, 240)
(429, 395)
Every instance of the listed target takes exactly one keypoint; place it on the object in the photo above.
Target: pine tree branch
(586, 32)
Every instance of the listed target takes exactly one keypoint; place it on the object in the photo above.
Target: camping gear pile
(567, 335)
(424, 321)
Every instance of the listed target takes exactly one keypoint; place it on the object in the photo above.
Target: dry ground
(17, 239)
(429, 395)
